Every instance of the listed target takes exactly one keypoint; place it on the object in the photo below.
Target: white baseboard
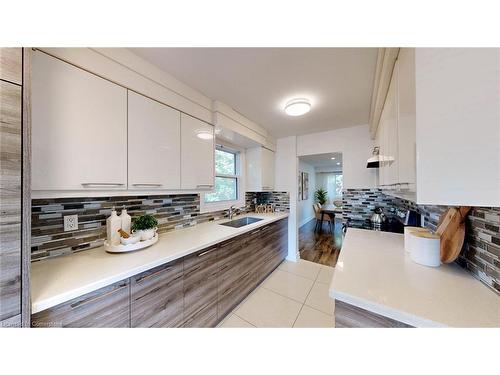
(305, 221)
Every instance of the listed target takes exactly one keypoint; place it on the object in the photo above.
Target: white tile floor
(294, 295)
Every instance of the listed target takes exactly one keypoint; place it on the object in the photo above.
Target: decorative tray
(130, 247)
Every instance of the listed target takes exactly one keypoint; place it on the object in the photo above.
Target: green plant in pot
(145, 226)
(321, 196)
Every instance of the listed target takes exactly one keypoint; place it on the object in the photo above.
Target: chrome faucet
(231, 212)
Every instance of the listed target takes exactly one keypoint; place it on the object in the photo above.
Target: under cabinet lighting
(204, 134)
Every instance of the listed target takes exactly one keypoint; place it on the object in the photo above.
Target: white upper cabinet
(267, 169)
(260, 169)
(406, 118)
(387, 135)
(197, 154)
(391, 104)
(79, 129)
(154, 144)
(458, 126)
(396, 134)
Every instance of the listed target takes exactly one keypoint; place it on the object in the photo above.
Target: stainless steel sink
(238, 223)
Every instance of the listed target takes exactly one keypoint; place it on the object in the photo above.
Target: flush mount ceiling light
(297, 107)
(203, 134)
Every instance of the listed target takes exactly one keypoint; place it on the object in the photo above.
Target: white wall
(356, 147)
(286, 173)
(306, 211)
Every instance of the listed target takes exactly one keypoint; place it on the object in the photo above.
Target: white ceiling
(324, 161)
(257, 82)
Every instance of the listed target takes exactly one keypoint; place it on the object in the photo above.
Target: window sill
(219, 206)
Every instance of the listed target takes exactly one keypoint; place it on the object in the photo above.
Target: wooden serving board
(451, 229)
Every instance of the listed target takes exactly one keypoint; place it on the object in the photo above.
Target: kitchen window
(227, 177)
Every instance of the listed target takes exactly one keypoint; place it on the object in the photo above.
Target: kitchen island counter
(374, 273)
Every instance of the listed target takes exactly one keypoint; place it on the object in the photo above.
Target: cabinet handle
(267, 188)
(145, 277)
(206, 252)
(90, 184)
(204, 186)
(256, 231)
(227, 244)
(96, 298)
(152, 184)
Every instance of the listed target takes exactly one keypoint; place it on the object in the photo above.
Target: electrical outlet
(70, 222)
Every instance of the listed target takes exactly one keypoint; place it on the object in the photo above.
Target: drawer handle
(206, 252)
(227, 244)
(204, 186)
(146, 277)
(96, 298)
(90, 184)
(147, 184)
(256, 231)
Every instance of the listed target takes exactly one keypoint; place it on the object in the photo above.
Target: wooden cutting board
(451, 229)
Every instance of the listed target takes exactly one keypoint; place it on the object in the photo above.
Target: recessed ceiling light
(338, 163)
(333, 158)
(203, 134)
(297, 107)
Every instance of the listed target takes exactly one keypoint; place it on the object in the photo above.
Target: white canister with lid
(407, 231)
(425, 248)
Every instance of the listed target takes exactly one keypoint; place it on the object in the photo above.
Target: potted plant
(145, 227)
(321, 195)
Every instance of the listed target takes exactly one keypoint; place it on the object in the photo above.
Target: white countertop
(54, 281)
(375, 273)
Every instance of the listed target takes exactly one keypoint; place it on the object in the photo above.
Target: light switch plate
(70, 222)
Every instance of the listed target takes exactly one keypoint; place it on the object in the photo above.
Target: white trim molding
(385, 64)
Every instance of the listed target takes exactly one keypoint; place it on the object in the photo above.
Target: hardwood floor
(323, 247)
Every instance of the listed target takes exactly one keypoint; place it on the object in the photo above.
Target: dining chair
(317, 215)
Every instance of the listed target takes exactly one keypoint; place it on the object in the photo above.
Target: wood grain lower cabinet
(156, 297)
(247, 260)
(107, 307)
(235, 276)
(200, 288)
(10, 195)
(11, 65)
(349, 316)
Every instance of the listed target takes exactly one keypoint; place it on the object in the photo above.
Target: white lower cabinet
(79, 129)
(197, 154)
(154, 146)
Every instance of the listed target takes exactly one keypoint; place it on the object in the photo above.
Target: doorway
(320, 180)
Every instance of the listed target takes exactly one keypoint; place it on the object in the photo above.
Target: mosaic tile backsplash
(48, 238)
(279, 199)
(481, 251)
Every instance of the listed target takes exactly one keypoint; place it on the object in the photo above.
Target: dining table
(329, 210)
